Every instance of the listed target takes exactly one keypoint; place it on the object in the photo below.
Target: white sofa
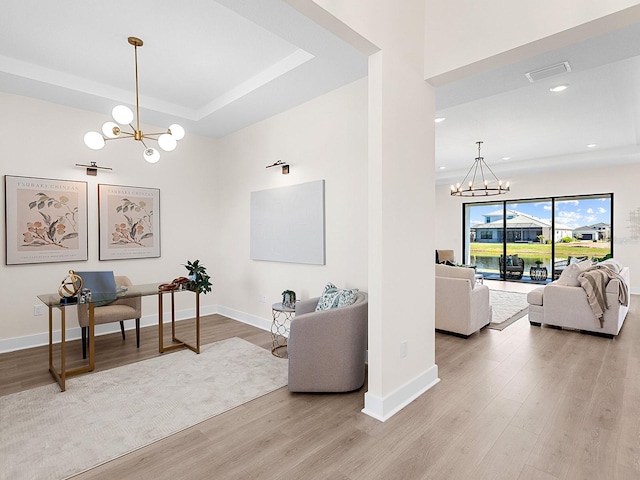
(567, 306)
(462, 306)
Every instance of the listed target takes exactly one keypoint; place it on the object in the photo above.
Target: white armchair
(462, 306)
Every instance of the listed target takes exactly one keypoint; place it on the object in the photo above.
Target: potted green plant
(289, 299)
(200, 281)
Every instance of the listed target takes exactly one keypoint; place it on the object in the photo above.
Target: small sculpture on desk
(289, 299)
(69, 288)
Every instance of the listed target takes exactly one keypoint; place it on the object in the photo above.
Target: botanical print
(57, 226)
(138, 229)
(45, 220)
(129, 227)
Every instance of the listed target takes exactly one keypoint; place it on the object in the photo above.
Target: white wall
(325, 138)
(205, 188)
(40, 139)
(619, 180)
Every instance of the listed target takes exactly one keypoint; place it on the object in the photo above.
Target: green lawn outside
(485, 255)
(536, 250)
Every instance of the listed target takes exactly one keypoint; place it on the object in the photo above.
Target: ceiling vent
(548, 72)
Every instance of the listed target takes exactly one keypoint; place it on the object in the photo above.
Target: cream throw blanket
(594, 281)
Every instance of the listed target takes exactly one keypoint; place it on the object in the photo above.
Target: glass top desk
(52, 300)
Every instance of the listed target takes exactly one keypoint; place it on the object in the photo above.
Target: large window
(533, 240)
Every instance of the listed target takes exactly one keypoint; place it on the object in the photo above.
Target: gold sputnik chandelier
(475, 184)
(123, 117)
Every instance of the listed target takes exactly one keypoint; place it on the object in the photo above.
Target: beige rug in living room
(508, 307)
(48, 434)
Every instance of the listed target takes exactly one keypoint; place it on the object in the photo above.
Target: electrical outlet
(38, 310)
(404, 347)
(263, 298)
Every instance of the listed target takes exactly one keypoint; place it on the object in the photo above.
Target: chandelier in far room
(476, 184)
(123, 116)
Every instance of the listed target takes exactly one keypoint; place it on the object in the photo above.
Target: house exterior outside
(595, 232)
(521, 228)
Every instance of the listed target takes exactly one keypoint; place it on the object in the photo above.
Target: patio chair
(514, 267)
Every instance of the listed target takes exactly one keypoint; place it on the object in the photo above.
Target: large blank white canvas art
(287, 224)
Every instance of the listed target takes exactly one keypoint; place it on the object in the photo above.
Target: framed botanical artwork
(45, 220)
(129, 222)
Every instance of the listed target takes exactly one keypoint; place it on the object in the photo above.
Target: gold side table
(282, 317)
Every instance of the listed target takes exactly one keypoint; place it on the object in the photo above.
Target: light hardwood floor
(523, 403)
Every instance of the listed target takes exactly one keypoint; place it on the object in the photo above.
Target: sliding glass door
(528, 240)
(533, 240)
(484, 235)
(584, 227)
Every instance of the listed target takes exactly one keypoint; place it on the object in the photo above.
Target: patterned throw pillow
(333, 297)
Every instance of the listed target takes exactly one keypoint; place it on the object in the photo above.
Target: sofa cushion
(569, 276)
(534, 297)
(456, 272)
(584, 264)
(334, 297)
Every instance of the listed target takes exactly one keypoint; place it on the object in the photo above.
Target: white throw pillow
(584, 264)
(569, 276)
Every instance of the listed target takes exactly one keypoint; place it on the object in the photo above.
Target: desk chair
(116, 311)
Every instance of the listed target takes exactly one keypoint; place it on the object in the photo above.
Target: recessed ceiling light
(592, 145)
(558, 88)
(439, 119)
(442, 168)
(506, 158)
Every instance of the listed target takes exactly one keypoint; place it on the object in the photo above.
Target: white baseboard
(384, 408)
(259, 322)
(39, 339)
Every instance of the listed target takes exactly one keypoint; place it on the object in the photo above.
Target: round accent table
(538, 273)
(282, 317)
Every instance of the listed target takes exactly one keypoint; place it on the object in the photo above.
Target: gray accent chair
(116, 311)
(327, 349)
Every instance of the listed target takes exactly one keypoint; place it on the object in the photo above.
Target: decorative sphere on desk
(70, 286)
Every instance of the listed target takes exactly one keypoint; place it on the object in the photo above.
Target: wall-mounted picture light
(285, 166)
(92, 169)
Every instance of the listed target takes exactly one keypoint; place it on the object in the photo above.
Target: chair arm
(306, 306)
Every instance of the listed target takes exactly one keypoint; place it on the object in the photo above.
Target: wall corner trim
(384, 408)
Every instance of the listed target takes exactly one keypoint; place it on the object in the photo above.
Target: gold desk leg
(173, 317)
(58, 377)
(161, 346)
(51, 339)
(61, 376)
(178, 343)
(160, 328)
(63, 350)
(92, 336)
(197, 322)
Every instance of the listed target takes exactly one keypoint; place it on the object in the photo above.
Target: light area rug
(48, 434)
(507, 308)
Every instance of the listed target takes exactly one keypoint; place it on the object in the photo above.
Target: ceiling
(212, 66)
(218, 66)
(539, 130)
